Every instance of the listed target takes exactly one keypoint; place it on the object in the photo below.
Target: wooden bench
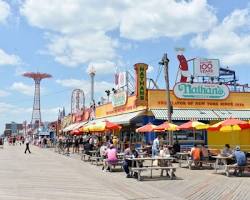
(118, 163)
(240, 169)
(95, 160)
(85, 157)
(199, 163)
(169, 169)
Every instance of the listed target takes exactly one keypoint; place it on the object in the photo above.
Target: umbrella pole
(194, 135)
(168, 138)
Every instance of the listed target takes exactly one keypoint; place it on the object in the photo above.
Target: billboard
(119, 99)
(206, 67)
(201, 91)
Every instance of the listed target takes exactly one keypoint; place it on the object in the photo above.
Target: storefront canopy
(238, 114)
(119, 119)
(70, 127)
(74, 126)
(201, 114)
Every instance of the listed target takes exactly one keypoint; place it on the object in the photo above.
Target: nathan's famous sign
(141, 80)
(200, 91)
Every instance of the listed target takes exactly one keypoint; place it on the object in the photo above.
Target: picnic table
(183, 157)
(138, 169)
(221, 162)
(120, 155)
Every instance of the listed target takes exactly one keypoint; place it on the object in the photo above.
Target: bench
(95, 160)
(199, 163)
(118, 163)
(240, 169)
(85, 157)
(169, 169)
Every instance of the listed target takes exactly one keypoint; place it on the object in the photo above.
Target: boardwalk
(45, 175)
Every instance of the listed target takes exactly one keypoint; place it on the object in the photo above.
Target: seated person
(103, 150)
(204, 152)
(226, 151)
(195, 154)
(176, 147)
(88, 147)
(164, 152)
(129, 152)
(240, 158)
(111, 154)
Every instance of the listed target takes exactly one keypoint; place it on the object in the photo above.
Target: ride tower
(36, 113)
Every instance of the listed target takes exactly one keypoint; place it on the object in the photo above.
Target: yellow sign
(108, 109)
(235, 100)
(67, 120)
(141, 83)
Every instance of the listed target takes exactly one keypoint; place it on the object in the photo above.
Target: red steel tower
(36, 113)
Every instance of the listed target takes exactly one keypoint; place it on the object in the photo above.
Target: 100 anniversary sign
(201, 91)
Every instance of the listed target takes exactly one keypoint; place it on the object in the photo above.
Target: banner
(141, 83)
(206, 67)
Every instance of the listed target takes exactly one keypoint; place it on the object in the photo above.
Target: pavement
(46, 175)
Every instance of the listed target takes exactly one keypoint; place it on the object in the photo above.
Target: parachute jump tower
(36, 113)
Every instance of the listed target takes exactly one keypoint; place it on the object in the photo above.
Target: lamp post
(164, 62)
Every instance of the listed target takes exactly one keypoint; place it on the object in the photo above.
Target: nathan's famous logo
(119, 99)
(141, 88)
(201, 91)
(206, 67)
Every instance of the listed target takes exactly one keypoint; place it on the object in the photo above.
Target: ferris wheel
(77, 101)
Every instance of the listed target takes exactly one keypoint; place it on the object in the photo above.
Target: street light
(164, 62)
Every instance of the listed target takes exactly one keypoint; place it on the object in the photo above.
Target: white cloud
(23, 88)
(73, 50)
(152, 19)
(10, 112)
(4, 93)
(4, 11)
(150, 69)
(73, 16)
(100, 86)
(78, 29)
(9, 59)
(105, 67)
(229, 40)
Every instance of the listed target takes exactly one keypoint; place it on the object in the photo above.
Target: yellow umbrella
(193, 125)
(166, 126)
(229, 125)
(102, 126)
(230, 128)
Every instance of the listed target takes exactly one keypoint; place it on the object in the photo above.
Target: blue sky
(65, 39)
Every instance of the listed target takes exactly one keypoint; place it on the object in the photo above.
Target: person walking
(27, 142)
(155, 147)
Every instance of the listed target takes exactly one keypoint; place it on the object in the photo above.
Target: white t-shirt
(27, 140)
